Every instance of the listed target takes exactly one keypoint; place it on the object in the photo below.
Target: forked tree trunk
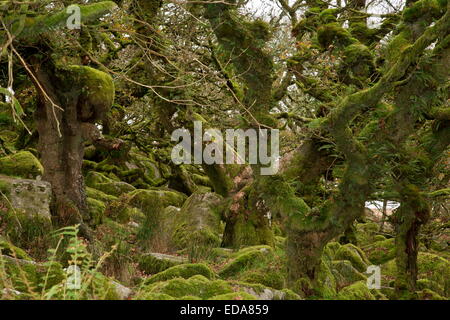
(69, 103)
(61, 149)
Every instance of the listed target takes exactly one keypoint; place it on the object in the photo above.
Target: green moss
(356, 291)
(22, 275)
(257, 265)
(332, 248)
(262, 292)
(240, 295)
(50, 274)
(155, 263)
(144, 198)
(119, 211)
(201, 180)
(290, 295)
(96, 90)
(435, 268)
(152, 296)
(29, 277)
(262, 248)
(379, 237)
(242, 261)
(148, 164)
(114, 188)
(273, 279)
(92, 178)
(198, 225)
(280, 242)
(397, 45)
(7, 248)
(183, 271)
(26, 230)
(381, 251)
(345, 274)
(325, 284)
(247, 230)
(198, 286)
(303, 287)
(48, 23)
(101, 288)
(357, 63)
(353, 254)
(22, 164)
(190, 298)
(428, 294)
(366, 232)
(333, 33)
(328, 15)
(89, 165)
(423, 284)
(96, 210)
(5, 187)
(431, 8)
(99, 195)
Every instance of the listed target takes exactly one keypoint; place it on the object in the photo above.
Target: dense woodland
(93, 207)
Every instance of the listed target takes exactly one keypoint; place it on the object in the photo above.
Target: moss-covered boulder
(331, 248)
(240, 295)
(29, 277)
(152, 263)
(92, 178)
(99, 195)
(26, 213)
(270, 278)
(7, 248)
(196, 286)
(30, 196)
(161, 198)
(261, 265)
(345, 274)
(199, 287)
(325, 286)
(107, 185)
(435, 268)
(96, 91)
(427, 294)
(366, 233)
(353, 254)
(21, 164)
(145, 295)
(423, 284)
(262, 292)
(182, 271)
(114, 188)
(433, 273)
(198, 225)
(96, 210)
(380, 252)
(246, 259)
(146, 163)
(120, 211)
(356, 291)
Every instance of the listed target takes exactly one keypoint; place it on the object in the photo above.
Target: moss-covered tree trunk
(241, 43)
(70, 100)
(413, 212)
